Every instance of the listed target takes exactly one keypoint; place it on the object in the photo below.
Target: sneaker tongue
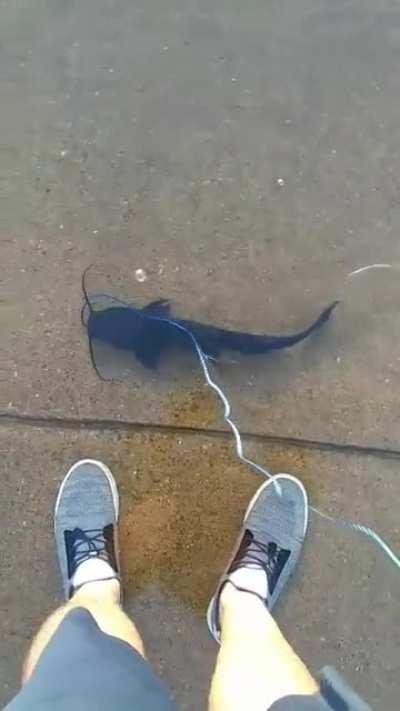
(276, 562)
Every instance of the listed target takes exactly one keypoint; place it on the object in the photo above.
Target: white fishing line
(369, 267)
(352, 525)
(203, 358)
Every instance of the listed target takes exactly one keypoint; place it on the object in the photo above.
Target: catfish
(150, 331)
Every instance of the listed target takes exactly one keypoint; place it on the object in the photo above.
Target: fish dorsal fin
(160, 307)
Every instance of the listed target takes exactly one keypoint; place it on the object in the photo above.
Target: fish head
(118, 326)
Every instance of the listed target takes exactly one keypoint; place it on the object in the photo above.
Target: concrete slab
(182, 502)
(246, 159)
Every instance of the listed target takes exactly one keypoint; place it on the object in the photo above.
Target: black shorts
(84, 669)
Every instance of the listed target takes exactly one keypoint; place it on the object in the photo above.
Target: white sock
(251, 579)
(91, 570)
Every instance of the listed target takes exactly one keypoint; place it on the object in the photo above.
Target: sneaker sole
(269, 482)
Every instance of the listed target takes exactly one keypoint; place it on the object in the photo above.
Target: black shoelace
(88, 544)
(260, 556)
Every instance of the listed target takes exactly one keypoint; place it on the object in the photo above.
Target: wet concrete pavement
(182, 502)
(247, 159)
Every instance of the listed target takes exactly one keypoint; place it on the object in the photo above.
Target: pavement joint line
(8, 419)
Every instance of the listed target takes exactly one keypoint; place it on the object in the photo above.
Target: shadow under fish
(149, 332)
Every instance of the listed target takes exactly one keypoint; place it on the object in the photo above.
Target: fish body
(151, 331)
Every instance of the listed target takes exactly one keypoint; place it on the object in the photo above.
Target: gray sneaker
(86, 520)
(271, 539)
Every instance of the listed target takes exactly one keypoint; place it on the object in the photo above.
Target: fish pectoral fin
(160, 307)
(147, 354)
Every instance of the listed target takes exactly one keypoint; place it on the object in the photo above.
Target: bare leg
(101, 599)
(86, 533)
(256, 666)
(77, 662)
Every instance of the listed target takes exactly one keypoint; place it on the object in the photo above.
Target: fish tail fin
(322, 318)
(278, 342)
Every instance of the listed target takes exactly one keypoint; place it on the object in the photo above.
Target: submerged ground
(246, 159)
